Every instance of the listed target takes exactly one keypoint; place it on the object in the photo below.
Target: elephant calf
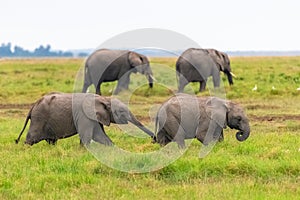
(59, 115)
(196, 65)
(106, 65)
(185, 117)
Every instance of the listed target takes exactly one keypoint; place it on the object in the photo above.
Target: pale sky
(226, 25)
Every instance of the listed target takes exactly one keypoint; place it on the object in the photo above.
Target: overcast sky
(224, 25)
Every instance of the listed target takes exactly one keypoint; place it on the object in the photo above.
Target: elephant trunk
(134, 121)
(229, 77)
(242, 135)
(149, 75)
(150, 80)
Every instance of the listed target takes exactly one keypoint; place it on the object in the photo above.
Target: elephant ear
(97, 108)
(135, 60)
(216, 109)
(218, 58)
(225, 58)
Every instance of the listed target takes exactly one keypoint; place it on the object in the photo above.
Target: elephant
(186, 116)
(106, 65)
(196, 65)
(61, 115)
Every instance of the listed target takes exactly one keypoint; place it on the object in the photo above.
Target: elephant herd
(61, 115)
(194, 65)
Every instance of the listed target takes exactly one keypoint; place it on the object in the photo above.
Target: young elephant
(59, 115)
(196, 65)
(105, 65)
(185, 117)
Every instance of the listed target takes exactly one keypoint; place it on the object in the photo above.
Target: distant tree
(20, 52)
(41, 51)
(5, 50)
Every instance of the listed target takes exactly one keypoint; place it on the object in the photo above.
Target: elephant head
(227, 113)
(111, 110)
(236, 119)
(141, 65)
(223, 62)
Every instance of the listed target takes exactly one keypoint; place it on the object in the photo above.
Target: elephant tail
(25, 124)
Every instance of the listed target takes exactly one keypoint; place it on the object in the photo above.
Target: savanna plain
(265, 166)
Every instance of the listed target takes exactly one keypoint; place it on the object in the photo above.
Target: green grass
(266, 166)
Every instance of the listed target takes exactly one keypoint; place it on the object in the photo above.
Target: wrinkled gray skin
(196, 65)
(59, 115)
(106, 65)
(185, 117)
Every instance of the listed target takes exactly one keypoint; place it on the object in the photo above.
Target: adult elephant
(106, 65)
(185, 117)
(196, 65)
(60, 115)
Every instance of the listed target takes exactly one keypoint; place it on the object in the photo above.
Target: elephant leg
(85, 130)
(100, 136)
(81, 143)
(123, 83)
(216, 78)
(214, 133)
(87, 82)
(98, 88)
(51, 141)
(85, 87)
(163, 138)
(118, 89)
(221, 137)
(202, 86)
(85, 136)
(201, 132)
(179, 137)
(182, 83)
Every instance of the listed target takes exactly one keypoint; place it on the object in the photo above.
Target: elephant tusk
(154, 79)
(232, 74)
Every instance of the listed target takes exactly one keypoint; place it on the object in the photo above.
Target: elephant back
(102, 58)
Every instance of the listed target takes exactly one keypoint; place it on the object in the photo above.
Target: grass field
(266, 166)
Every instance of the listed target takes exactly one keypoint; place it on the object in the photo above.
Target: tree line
(6, 50)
